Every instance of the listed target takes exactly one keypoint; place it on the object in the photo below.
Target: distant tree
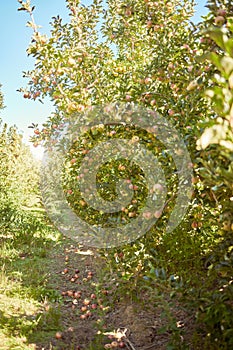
(1, 98)
(18, 169)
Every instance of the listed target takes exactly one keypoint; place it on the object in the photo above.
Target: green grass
(23, 283)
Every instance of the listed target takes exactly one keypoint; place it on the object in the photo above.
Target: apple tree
(139, 52)
(216, 171)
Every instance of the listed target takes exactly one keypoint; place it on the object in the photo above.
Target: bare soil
(74, 274)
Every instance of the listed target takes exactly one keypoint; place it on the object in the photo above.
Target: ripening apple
(195, 180)
(219, 20)
(192, 85)
(27, 95)
(80, 108)
(194, 224)
(147, 215)
(158, 187)
(121, 167)
(60, 71)
(71, 62)
(46, 79)
(58, 335)
(147, 80)
(158, 213)
(43, 40)
(120, 255)
(128, 11)
(156, 27)
(203, 40)
(221, 12)
(149, 24)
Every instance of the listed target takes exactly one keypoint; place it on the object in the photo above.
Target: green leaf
(211, 135)
(216, 60)
(227, 64)
(229, 46)
(202, 58)
(216, 34)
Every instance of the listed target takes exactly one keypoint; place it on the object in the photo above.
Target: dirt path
(89, 309)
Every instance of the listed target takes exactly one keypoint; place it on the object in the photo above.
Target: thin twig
(130, 344)
(149, 347)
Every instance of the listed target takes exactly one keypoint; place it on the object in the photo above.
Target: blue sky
(14, 40)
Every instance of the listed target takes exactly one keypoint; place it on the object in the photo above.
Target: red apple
(71, 62)
(157, 214)
(171, 112)
(221, 12)
(27, 95)
(219, 20)
(194, 224)
(149, 24)
(58, 335)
